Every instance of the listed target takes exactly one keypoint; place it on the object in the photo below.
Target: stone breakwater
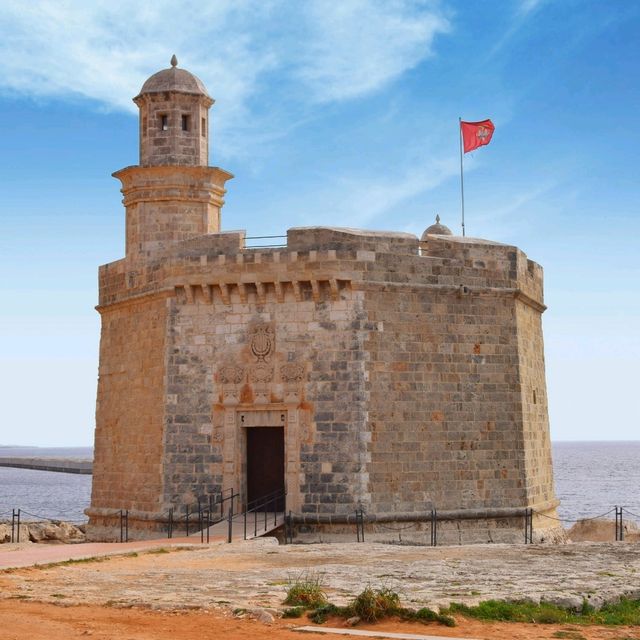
(62, 465)
(45, 532)
(256, 574)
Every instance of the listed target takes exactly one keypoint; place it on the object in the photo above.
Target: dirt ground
(190, 592)
(39, 621)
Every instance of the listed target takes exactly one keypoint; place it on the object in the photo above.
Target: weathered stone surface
(256, 575)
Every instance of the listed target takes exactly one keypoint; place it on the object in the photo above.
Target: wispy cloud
(358, 46)
(322, 50)
(527, 6)
(523, 11)
(378, 193)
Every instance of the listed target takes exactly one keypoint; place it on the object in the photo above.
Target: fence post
(230, 524)
(619, 525)
(434, 528)
(360, 524)
(186, 518)
(287, 527)
(170, 527)
(528, 526)
(15, 525)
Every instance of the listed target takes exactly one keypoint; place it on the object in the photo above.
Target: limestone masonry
(351, 368)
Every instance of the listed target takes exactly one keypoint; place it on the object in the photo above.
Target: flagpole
(461, 176)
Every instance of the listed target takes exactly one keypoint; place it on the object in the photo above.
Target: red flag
(476, 134)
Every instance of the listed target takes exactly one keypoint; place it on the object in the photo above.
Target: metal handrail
(262, 237)
(266, 497)
(263, 502)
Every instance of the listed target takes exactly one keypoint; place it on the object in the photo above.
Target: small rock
(261, 615)
(5, 533)
(601, 530)
(563, 600)
(352, 622)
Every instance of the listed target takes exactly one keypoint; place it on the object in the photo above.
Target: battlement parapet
(321, 255)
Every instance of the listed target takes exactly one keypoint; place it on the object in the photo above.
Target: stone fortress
(352, 368)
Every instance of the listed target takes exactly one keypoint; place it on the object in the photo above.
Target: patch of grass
(72, 561)
(322, 613)
(427, 615)
(568, 635)
(158, 551)
(373, 604)
(625, 612)
(293, 612)
(511, 611)
(58, 595)
(306, 591)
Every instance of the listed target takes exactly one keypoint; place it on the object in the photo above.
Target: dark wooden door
(265, 465)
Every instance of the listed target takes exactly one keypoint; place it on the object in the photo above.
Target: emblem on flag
(476, 134)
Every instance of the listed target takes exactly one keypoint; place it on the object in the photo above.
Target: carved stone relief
(231, 377)
(292, 372)
(231, 374)
(261, 373)
(262, 342)
(267, 380)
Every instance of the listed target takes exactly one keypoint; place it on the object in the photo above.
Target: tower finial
(437, 219)
(174, 60)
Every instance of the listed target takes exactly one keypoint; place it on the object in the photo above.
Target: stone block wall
(129, 437)
(173, 145)
(536, 444)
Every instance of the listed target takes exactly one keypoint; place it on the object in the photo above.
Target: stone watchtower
(173, 194)
(350, 368)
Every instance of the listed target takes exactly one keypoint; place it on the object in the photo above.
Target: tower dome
(174, 79)
(436, 229)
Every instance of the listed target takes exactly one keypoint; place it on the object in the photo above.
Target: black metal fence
(261, 516)
(359, 518)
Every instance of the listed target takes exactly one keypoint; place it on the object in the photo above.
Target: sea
(592, 478)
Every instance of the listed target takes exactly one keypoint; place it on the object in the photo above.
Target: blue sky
(336, 114)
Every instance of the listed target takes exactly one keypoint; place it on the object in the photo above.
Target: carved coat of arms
(262, 342)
